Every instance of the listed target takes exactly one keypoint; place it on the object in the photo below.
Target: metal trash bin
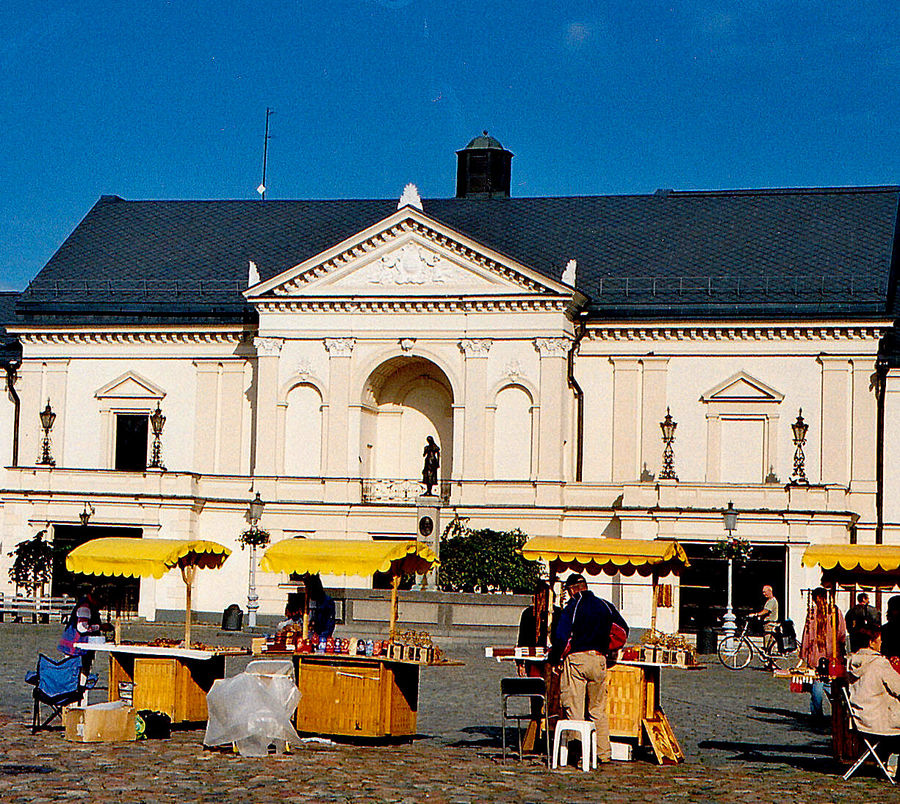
(232, 618)
(707, 639)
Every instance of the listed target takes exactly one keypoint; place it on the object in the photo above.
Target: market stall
(163, 677)
(847, 566)
(635, 714)
(357, 688)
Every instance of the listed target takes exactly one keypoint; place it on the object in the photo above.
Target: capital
(552, 347)
(339, 347)
(268, 346)
(475, 347)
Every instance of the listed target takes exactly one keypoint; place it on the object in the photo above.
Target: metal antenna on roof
(262, 187)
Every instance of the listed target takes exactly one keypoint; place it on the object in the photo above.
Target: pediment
(741, 387)
(407, 255)
(130, 385)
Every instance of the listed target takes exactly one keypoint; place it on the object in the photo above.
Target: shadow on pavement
(812, 758)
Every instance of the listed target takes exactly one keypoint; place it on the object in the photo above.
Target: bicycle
(736, 651)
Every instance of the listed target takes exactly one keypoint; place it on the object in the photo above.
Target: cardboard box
(111, 722)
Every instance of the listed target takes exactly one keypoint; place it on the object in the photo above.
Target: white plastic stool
(565, 731)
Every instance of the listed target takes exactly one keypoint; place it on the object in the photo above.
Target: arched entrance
(405, 400)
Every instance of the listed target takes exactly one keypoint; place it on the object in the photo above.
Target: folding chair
(871, 741)
(530, 688)
(56, 684)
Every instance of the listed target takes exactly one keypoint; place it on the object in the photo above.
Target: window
(131, 442)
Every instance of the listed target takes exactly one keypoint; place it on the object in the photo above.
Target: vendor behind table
(84, 621)
(533, 628)
(321, 606)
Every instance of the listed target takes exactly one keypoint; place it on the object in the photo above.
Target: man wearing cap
(581, 642)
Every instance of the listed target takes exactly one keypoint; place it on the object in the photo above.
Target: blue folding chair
(56, 684)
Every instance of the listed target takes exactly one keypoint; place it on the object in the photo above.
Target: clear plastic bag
(252, 712)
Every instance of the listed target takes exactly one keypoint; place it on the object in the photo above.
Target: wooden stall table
(873, 566)
(165, 679)
(345, 695)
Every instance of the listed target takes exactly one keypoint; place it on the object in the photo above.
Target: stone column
(268, 352)
(475, 450)
(339, 352)
(554, 401)
(834, 431)
(653, 411)
(626, 407)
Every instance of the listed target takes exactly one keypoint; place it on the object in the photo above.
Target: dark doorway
(131, 442)
(704, 585)
(116, 593)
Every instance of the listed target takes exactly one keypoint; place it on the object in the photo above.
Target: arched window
(512, 434)
(303, 432)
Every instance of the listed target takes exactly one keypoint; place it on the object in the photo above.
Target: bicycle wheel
(735, 652)
(784, 661)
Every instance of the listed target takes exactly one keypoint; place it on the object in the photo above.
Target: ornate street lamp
(668, 426)
(800, 428)
(47, 419)
(253, 538)
(86, 514)
(157, 422)
(729, 516)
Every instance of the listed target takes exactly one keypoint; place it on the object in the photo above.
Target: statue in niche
(432, 455)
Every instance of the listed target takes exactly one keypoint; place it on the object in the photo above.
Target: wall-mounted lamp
(668, 426)
(157, 422)
(86, 514)
(47, 419)
(800, 429)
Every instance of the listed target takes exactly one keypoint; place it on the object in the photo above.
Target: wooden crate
(353, 697)
(174, 685)
(632, 697)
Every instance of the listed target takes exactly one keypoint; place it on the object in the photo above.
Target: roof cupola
(483, 169)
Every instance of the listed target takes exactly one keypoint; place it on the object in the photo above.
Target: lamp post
(47, 419)
(799, 428)
(254, 515)
(157, 422)
(86, 514)
(668, 426)
(729, 515)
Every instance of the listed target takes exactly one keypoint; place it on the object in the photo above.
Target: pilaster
(268, 352)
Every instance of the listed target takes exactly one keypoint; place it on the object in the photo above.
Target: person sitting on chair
(874, 688)
(84, 621)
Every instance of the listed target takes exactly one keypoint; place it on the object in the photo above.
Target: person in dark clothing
(581, 642)
(890, 632)
(321, 607)
(84, 621)
(533, 631)
(860, 620)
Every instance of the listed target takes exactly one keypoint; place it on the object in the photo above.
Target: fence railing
(399, 490)
(25, 608)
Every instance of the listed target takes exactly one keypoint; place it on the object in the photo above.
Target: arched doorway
(405, 400)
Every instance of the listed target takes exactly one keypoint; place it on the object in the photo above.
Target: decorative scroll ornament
(513, 369)
(407, 344)
(552, 347)
(339, 347)
(268, 346)
(304, 369)
(410, 265)
(475, 347)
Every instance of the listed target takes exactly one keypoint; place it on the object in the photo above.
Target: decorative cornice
(387, 236)
(765, 332)
(455, 304)
(268, 346)
(339, 347)
(133, 337)
(475, 347)
(552, 347)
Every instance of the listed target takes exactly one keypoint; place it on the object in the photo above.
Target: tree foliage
(32, 563)
(485, 560)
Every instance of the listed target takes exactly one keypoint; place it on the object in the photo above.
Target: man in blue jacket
(581, 642)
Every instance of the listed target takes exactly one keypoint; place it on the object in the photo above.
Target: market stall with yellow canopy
(348, 692)
(635, 714)
(873, 566)
(163, 677)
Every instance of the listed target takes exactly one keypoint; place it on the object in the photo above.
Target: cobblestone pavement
(746, 737)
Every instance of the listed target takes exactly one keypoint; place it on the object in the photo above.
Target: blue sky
(158, 99)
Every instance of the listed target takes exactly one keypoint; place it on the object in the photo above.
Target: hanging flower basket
(738, 550)
(254, 537)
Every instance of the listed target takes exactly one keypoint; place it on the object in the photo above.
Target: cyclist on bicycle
(768, 616)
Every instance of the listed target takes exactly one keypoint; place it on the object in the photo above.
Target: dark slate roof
(734, 255)
(9, 345)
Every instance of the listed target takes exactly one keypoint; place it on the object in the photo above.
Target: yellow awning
(856, 563)
(607, 555)
(347, 557)
(143, 557)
